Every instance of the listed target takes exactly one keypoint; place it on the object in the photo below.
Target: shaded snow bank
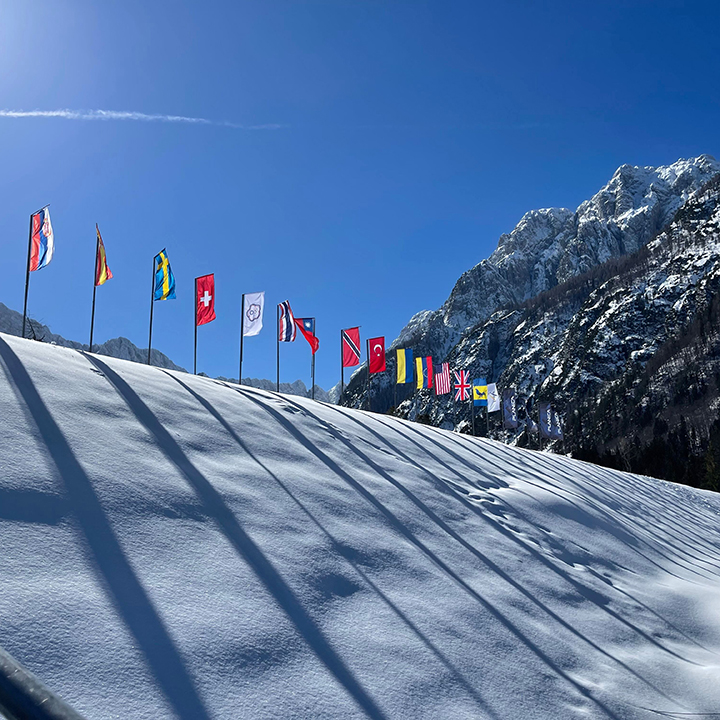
(175, 547)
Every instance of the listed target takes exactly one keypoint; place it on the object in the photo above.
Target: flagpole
(152, 305)
(92, 314)
(242, 334)
(277, 339)
(472, 407)
(342, 370)
(195, 351)
(367, 386)
(312, 389)
(27, 271)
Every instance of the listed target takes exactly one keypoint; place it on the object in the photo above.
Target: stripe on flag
(442, 380)
(350, 339)
(286, 323)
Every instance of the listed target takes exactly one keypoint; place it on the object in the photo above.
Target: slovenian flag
(42, 240)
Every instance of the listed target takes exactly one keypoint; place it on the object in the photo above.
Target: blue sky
(360, 154)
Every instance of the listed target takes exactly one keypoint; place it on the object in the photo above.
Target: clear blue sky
(397, 141)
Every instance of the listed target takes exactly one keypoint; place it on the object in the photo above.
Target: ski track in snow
(178, 547)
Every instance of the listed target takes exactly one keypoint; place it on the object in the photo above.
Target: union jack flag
(442, 380)
(462, 385)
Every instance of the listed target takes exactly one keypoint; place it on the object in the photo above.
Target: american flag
(462, 385)
(442, 380)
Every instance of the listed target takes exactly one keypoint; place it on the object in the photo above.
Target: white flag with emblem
(253, 313)
(493, 398)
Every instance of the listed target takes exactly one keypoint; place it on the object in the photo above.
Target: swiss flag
(376, 353)
(204, 299)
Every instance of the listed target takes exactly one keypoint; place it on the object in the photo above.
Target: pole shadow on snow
(583, 590)
(113, 568)
(32, 506)
(599, 505)
(395, 523)
(242, 542)
(343, 552)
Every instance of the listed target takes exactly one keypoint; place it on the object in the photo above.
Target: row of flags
(409, 369)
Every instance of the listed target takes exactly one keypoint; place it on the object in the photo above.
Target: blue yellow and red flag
(424, 372)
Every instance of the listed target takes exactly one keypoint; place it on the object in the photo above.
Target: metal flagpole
(242, 335)
(152, 305)
(472, 406)
(312, 389)
(277, 338)
(27, 271)
(367, 386)
(395, 384)
(92, 314)
(342, 370)
(195, 320)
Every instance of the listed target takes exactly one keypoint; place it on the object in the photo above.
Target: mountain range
(607, 311)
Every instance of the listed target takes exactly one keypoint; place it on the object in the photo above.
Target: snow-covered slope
(176, 547)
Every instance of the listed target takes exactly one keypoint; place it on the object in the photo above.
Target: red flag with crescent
(376, 353)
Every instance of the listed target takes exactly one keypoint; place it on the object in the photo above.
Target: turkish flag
(204, 299)
(376, 353)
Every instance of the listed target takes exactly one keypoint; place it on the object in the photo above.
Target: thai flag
(42, 240)
(286, 323)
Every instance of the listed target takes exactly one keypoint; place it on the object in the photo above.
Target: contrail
(127, 115)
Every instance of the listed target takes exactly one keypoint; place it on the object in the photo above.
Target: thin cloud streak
(127, 115)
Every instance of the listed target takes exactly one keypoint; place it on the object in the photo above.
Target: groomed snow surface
(176, 547)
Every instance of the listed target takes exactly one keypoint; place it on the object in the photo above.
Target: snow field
(177, 547)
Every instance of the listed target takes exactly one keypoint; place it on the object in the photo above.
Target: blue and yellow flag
(164, 279)
(404, 365)
(480, 392)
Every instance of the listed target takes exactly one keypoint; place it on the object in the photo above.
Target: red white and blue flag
(286, 323)
(42, 240)
(462, 385)
(442, 380)
(307, 327)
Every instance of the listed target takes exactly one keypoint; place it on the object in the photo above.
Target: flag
(307, 328)
(350, 340)
(557, 431)
(42, 240)
(493, 398)
(286, 324)
(376, 357)
(480, 392)
(462, 385)
(253, 306)
(404, 365)
(424, 372)
(442, 380)
(509, 409)
(204, 299)
(164, 278)
(102, 271)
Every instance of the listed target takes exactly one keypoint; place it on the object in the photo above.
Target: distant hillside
(124, 349)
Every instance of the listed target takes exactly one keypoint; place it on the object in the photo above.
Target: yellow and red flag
(102, 271)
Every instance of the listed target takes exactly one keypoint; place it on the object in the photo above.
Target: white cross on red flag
(204, 299)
